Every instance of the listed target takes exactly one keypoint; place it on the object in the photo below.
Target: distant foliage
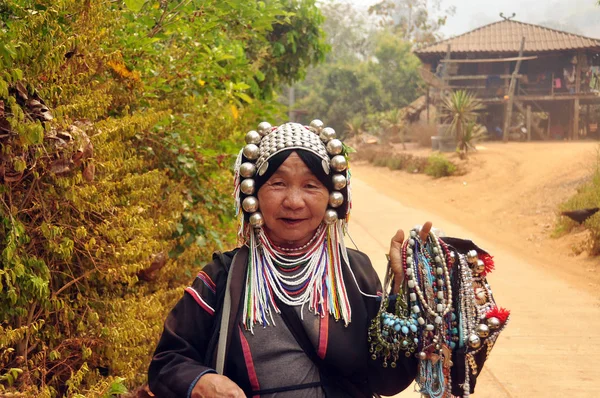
(119, 122)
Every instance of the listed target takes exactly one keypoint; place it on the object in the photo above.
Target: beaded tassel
(318, 282)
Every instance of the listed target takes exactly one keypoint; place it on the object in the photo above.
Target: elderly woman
(293, 312)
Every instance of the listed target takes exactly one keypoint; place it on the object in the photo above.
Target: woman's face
(293, 202)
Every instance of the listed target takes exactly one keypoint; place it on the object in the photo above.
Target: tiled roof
(505, 37)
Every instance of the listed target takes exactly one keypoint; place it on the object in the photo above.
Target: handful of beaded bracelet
(450, 308)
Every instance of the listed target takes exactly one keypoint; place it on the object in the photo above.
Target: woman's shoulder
(215, 272)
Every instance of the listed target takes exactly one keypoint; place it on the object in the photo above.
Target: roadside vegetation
(587, 197)
(119, 123)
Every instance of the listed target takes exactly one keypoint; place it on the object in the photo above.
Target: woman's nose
(293, 199)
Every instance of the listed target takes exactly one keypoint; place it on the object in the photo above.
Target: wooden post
(528, 122)
(549, 122)
(575, 119)
(438, 109)
(577, 91)
(427, 103)
(511, 92)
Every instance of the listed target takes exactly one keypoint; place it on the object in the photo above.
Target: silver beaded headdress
(328, 253)
(267, 141)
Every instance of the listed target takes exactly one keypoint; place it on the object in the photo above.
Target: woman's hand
(212, 385)
(396, 254)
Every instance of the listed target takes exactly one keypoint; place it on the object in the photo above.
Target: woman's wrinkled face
(293, 202)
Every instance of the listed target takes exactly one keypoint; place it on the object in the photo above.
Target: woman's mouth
(291, 221)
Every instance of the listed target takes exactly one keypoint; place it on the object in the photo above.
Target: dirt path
(551, 347)
(510, 197)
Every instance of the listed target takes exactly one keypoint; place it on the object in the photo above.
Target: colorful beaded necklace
(312, 276)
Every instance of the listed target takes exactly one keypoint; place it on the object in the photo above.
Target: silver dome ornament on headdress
(247, 186)
(331, 216)
(339, 181)
(264, 128)
(317, 125)
(251, 152)
(257, 220)
(252, 137)
(327, 134)
(247, 170)
(335, 147)
(336, 199)
(339, 163)
(250, 204)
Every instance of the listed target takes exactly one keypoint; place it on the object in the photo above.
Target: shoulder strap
(294, 324)
(232, 297)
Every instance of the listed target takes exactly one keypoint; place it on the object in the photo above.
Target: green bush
(587, 196)
(117, 190)
(438, 166)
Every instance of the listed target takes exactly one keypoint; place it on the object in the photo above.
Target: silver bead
(331, 216)
(339, 163)
(480, 267)
(252, 137)
(422, 355)
(336, 199)
(264, 128)
(247, 170)
(493, 323)
(251, 152)
(474, 341)
(317, 125)
(335, 147)
(250, 204)
(247, 186)
(483, 330)
(327, 134)
(257, 220)
(472, 256)
(339, 181)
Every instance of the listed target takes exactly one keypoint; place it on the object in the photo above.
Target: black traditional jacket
(187, 347)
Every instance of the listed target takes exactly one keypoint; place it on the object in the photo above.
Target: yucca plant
(459, 109)
(395, 124)
(474, 133)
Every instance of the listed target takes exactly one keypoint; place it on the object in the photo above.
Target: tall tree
(417, 21)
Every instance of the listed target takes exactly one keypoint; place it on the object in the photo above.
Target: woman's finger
(425, 229)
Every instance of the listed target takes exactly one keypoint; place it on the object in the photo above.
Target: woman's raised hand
(396, 254)
(212, 385)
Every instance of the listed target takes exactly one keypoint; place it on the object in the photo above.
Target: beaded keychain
(391, 333)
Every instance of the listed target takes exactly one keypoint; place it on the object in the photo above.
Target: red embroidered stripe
(207, 281)
(249, 363)
(200, 300)
(323, 336)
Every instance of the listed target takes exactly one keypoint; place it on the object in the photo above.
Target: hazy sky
(579, 16)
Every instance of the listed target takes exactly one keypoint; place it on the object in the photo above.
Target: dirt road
(551, 347)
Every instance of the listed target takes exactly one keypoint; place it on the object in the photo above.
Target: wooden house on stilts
(528, 75)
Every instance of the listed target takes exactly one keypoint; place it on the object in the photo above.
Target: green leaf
(135, 5)
(244, 97)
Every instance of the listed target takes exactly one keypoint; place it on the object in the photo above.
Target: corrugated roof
(505, 37)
